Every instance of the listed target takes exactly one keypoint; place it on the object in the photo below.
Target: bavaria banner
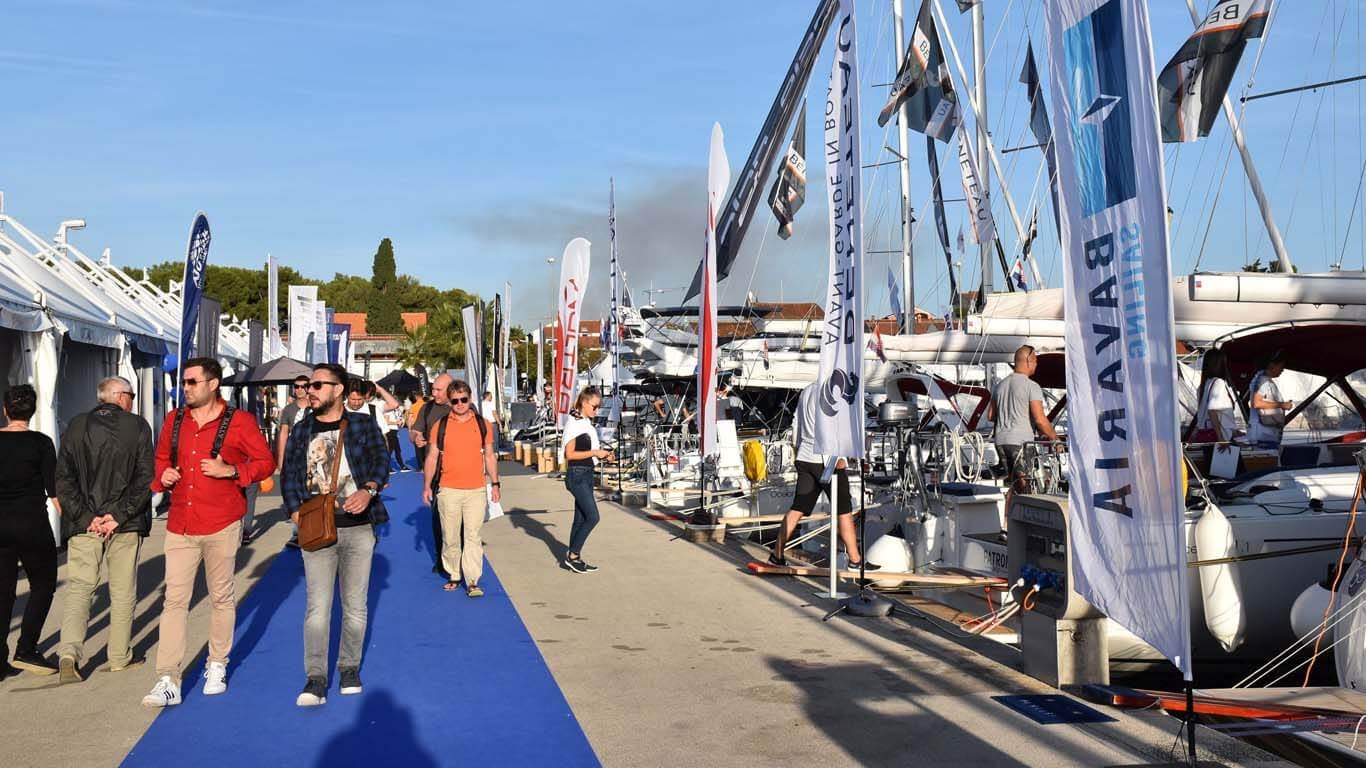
(192, 286)
(1127, 510)
(718, 178)
(573, 284)
(839, 422)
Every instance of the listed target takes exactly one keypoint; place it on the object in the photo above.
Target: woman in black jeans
(27, 481)
(582, 451)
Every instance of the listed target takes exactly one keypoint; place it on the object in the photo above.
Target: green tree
(241, 290)
(346, 293)
(384, 312)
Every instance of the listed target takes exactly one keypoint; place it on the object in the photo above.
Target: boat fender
(1221, 588)
(893, 555)
(1306, 614)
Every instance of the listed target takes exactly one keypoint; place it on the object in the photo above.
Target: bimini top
(1331, 349)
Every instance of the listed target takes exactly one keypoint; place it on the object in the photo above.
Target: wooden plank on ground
(926, 580)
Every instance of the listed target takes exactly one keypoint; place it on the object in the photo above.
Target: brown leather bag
(318, 514)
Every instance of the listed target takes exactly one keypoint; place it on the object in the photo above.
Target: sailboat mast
(907, 318)
(979, 86)
(1253, 178)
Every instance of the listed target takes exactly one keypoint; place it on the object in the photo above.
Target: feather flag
(718, 178)
(1192, 86)
(789, 189)
(923, 83)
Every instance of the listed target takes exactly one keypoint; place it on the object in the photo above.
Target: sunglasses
(301, 386)
(193, 382)
(460, 400)
(318, 385)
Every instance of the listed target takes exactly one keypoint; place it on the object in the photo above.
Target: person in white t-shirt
(811, 483)
(1266, 416)
(381, 405)
(1216, 418)
(490, 414)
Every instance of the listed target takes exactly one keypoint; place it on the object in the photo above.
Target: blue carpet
(448, 680)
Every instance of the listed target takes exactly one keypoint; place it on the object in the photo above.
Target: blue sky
(480, 137)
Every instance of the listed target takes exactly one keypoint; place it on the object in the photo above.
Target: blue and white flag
(896, 300)
(1126, 533)
(192, 286)
(838, 430)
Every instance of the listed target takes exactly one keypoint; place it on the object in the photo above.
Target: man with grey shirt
(104, 477)
(1017, 410)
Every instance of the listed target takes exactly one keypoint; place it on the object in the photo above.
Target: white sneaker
(215, 678)
(166, 693)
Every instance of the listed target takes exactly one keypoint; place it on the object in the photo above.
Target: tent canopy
(281, 370)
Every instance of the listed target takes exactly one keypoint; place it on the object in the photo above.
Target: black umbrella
(400, 382)
(281, 370)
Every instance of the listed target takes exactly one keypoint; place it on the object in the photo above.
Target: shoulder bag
(318, 514)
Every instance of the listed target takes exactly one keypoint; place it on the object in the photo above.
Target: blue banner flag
(192, 286)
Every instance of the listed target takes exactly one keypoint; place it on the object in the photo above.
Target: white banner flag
(320, 354)
(979, 205)
(573, 284)
(473, 327)
(274, 347)
(1126, 534)
(839, 423)
(718, 178)
(301, 321)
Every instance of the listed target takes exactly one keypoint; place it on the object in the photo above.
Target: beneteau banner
(839, 420)
(979, 207)
(718, 178)
(1126, 525)
(573, 283)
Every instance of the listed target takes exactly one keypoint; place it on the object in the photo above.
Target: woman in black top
(582, 451)
(27, 481)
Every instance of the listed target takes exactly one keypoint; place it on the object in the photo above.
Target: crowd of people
(335, 449)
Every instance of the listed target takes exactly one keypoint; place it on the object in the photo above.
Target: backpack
(441, 442)
(218, 438)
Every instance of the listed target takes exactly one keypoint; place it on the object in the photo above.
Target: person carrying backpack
(460, 455)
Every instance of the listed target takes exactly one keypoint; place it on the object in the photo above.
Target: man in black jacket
(104, 476)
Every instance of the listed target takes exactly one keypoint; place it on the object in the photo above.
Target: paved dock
(672, 654)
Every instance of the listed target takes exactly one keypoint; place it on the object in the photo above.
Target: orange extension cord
(1337, 579)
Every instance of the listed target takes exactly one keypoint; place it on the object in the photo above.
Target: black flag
(923, 84)
(1191, 87)
(789, 189)
(735, 215)
(1043, 132)
(940, 223)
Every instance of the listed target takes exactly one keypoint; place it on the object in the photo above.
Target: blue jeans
(579, 481)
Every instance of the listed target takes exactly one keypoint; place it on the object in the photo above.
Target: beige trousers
(84, 554)
(218, 552)
(462, 507)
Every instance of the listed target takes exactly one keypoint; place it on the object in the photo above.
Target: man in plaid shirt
(363, 471)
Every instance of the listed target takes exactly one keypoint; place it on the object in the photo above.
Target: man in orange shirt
(457, 467)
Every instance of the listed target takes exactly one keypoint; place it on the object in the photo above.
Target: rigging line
(1218, 190)
(1261, 246)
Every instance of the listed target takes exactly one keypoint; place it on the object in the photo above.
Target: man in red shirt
(461, 462)
(215, 460)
